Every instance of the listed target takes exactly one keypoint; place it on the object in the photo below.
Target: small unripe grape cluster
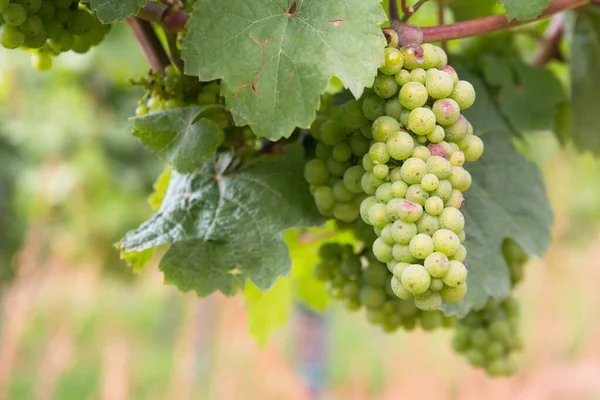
(490, 337)
(174, 89)
(414, 174)
(335, 173)
(48, 28)
(359, 280)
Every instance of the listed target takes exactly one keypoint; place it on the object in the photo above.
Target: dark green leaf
(225, 227)
(179, 137)
(468, 9)
(507, 199)
(523, 10)
(116, 10)
(275, 65)
(585, 82)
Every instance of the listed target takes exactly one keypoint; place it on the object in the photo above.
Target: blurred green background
(76, 323)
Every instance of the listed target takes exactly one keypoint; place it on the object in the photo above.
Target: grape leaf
(523, 10)
(507, 199)
(585, 83)
(274, 64)
(116, 10)
(225, 226)
(179, 136)
(468, 9)
(527, 97)
(269, 310)
(160, 189)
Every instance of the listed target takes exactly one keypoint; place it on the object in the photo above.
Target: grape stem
(548, 48)
(149, 44)
(492, 23)
(413, 9)
(175, 20)
(393, 11)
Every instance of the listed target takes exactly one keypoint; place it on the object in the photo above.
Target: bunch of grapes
(48, 28)
(335, 173)
(358, 279)
(414, 174)
(489, 337)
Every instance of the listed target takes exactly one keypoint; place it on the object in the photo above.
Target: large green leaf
(274, 64)
(225, 226)
(523, 10)
(527, 97)
(267, 311)
(179, 136)
(584, 119)
(507, 199)
(116, 10)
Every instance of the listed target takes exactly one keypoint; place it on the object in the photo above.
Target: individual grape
(399, 289)
(439, 167)
(453, 294)
(451, 218)
(370, 183)
(381, 171)
(436, 284)
(382, 251)
(428, 224)
(402, 77)
(429, 301)
(378, 153)
(46, 11)
(413, 95)
(457, 158)
(385, 86)
(11, 37)
(417, 194)
(411, 61)
(461, 254)
(439, 84)
(431, 56)
(451, 71)
(421, 246)
(413, 170)
(336, 168)
(33, 26)
(444, 190)
(464, 94)
(430, 182)
(340, 192)
(352, 178)
(437, 264)
(404, 117)
(376, 274)
(352, 116)
(416, 279)
(400, 145)
(391, 37)
(372, 297)
(62, 16)
(14, 15)
(393, 108)
(321, 272)
(402, 232)
(460, 179)
(473, 148)
(457, 131)
(43, 62)
(418, 75)
(386, 234)
(399, 189)
(332, 132)
(79, 22)
(358, 144)
(434, 205)
(445, 241)
(316, 172)
(366, 206)
(457, 274)
(378, 215)
(341, 152)
(393, 61)
(384, 192)
(63, 42)
(437, 134)
(446, 112)
(421, 152)
(421, 121)
(402, 254)
(383, 127)
(406, 210)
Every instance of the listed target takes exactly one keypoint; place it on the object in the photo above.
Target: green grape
(436, 284)
(385, 86)
(14, 15)
(421, 121)
(384, 192)
(340, 193)
(382, 251)
(417, 194)
(446, 242)
(33, 26)
(416, 279)
(464, 94)
(421, 152)
(397, 268)
(480, 338)
(413, 170)
(386, 234)
(393, 61)
(404, 117)
(372, 297)
(376, 274)
(461, 236)
(79, 22)
(413, 95)
(444, 190)
(62, 16)
(381, 171)
(434, 205)
(365, 207)
(393, 108)
(324, 198)
(63, 42)
(439, 84)
(352, 116)
(430, 301)
(428, 224)
(421, 140)
(442, 149)
(367, 164)
(43, 62)
(316, 172)
(418, 75)
(402, 232)
(370, 183)
(139, 111)
(336, 168)
(352, 178)
(431, 57)
(458, 130)
(400, 145)
(457, 158)
(500, 330)
(460, 341)
(430, 182)
(350, 267)
(395, 175)
(451, 71)
(437, 134)
(317, 124)
(407, 210)
(402, 77)
(373, 107)
(378, 215)
(421, 246)
(378, 153)
(62, 3)
(332, 132)
(453, 294)
(457, 274)
(439, 167)
(341, 152)
(475, 357)
(410, 60)
(446, 112)
(437, 264)
(460, 179)
(383, 127)
(11, 37)
(392, 37)
(473, 148)
(3, 5)
(399, 189)
(402, 254)
(358, 144)
(451, 218)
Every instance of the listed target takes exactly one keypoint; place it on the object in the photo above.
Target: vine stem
(413, 9)
(393, 11)
(492, 23)
(548, 47)
(149, 44)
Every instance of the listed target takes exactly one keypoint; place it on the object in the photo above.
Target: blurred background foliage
(77, 323)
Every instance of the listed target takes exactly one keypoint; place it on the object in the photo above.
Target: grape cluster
(488, 338)
(335, 173)
(358, 280)
(48, 28)
(414, 174)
